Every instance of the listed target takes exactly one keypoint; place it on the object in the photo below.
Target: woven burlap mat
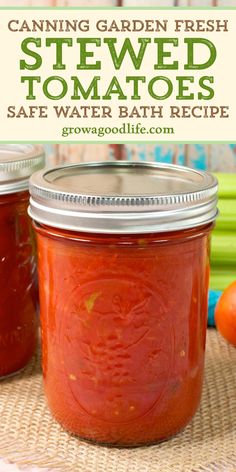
(28, 434)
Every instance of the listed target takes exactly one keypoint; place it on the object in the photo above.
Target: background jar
(123, 278)
(18, 275)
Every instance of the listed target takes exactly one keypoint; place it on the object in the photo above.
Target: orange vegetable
(225, 315)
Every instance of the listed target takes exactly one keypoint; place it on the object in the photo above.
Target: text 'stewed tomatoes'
(225, 315)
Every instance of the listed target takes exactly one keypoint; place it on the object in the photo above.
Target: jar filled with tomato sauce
(123, 251)
(18, 279)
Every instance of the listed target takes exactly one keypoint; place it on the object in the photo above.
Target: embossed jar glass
(123, 275)
(18, 278)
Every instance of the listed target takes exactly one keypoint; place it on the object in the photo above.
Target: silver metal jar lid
(123, 197)
(17, 164)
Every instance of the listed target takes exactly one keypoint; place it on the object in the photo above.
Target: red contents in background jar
(123, 331)
(18, 284)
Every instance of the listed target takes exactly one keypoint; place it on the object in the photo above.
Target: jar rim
(17, 163)
(123, 197)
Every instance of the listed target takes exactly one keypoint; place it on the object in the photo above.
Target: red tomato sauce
(18, 284)
(123, 331)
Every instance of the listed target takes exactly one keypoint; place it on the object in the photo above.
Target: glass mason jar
(123, 279)
(18, 280)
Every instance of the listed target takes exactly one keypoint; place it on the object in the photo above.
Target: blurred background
(220, 159)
